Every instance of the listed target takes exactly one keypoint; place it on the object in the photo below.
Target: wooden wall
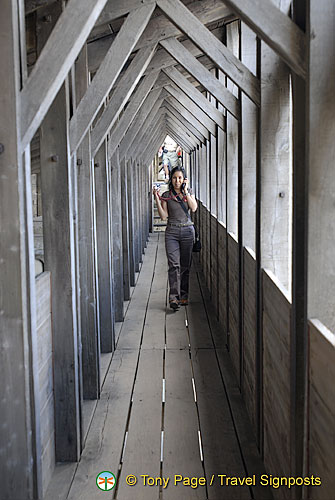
(276, 378)
(249, 335)
(45, 376)
(321, 406)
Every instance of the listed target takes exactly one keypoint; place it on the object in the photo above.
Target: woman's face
(177, 180)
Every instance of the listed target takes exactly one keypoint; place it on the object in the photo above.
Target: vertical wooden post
(103, 215)
(117, 235)
(125, 229)
(90, 322)
(130, 190)
(19, 402)
(59, 255)
(299, 327)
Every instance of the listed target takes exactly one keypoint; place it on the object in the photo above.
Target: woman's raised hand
(155, 190)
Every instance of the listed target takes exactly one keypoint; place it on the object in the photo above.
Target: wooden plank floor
(169, 404)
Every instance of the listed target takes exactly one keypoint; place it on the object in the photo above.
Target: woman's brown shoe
(183, 302)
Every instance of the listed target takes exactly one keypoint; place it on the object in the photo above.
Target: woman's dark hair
(173, 171)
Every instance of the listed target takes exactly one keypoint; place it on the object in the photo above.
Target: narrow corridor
(169, 403)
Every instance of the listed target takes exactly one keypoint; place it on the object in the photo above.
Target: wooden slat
(188, 116)
(105, 440)
(180, 137)
(181, 444)
(276, 29)
(55, 61)
(149, 106)
(196, 96)
(135, 103)
(207, 11)
(143, 448)
(146, 117)
(174, 114)
(200, 73)
(219, 440)
(108, 72)
(183, 99)
(182, 130)
(223, 57)
(120, 96)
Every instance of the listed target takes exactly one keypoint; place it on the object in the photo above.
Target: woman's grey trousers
(178, 245)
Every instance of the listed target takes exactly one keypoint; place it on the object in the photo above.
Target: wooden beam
(187, 127)
(195, 68)
(182, 17)
(20, 401)
(115, 9)
(129, 114)
(107, 74)
(188, 116)
(276, 29)
(196, 111)
(156, 142)
(102, 185)
(151, 125)
(55, 61)
(121, 95)
(88, 275)
(177, 116)
(196, 96)
(183, 133)
(177, 138)
(152, 102)
(171, 119)
(153, 117)
(207, 11)
(117, 251)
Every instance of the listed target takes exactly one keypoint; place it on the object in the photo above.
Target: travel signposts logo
(106, 481)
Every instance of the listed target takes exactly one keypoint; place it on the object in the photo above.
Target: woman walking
(174, 205)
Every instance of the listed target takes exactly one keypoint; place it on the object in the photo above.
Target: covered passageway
(102, 386)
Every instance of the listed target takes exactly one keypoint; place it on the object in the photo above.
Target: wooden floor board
(219, 412)
(142, 452)
(105, 438)
(181, 443)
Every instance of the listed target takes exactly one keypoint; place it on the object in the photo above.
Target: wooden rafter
(196, 111)
(187, 115)
(196, 96)
(129, 114)
(207, 11)
(149, 108)
(276, 29)
(182, 17)
(175, 117)
(195, 68)
(54, 63)
(120, 96)
(108, 72)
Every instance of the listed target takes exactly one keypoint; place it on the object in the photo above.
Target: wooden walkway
(169, 405)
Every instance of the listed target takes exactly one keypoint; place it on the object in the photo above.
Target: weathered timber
(276, 29)
(196, 96)
(207, 11)
(121, 95)
(108, 72)
(55, 61)
(196, 111)
(19, 405)
(131, 228)
(59, 256)
(195, 68)
(216, 50)
(89, 309)
(125, 229)
(104, 249)
(135, 103)
(114, 163)
(173, 112)
(187, 115)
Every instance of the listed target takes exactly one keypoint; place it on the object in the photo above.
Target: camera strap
(182, 203)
